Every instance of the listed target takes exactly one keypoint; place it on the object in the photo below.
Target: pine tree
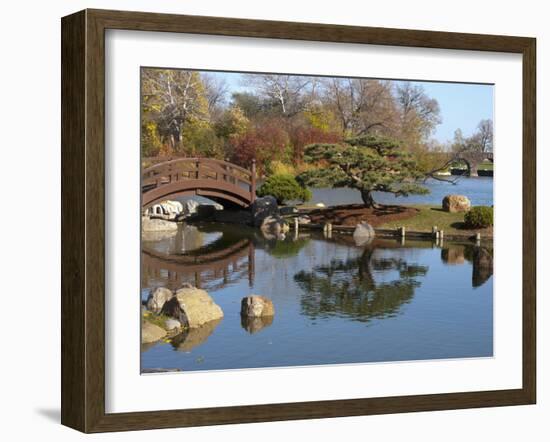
(368, 164)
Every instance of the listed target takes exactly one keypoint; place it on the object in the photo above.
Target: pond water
(478, 189)
(335, 302)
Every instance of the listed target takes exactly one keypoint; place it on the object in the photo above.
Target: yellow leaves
(322, 119)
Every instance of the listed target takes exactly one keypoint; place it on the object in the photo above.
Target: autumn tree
(173, 98)
(368, 164)
(264, 143)
(251, 104)
(418, 114)
(232, 122)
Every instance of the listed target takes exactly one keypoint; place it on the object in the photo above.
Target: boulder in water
(256, 306)
(151, 332)
(263, 207)
(363, 234)
(157, 225)
(274, 226)
(193, 307)
(158, 298)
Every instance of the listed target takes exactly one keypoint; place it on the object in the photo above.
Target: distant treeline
(273, 117)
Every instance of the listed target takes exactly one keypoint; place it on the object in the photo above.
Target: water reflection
(199, 256)
(481, 258)
(194, 337)
(253, 325)
(325, 290)
(348, 288)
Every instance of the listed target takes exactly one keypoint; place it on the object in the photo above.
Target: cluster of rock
(456, 203)
(266, 215)
(163, 216)
(189, 309)
(263, 213)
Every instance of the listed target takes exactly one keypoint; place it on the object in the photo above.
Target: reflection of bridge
(474, 159)
(225, 265)
(218, 180)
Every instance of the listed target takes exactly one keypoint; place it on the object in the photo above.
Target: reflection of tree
(286, 248)
(348, 288)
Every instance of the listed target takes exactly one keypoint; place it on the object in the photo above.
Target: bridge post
(253, 181)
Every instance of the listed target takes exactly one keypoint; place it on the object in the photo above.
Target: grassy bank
(417, 218)
(428, 216)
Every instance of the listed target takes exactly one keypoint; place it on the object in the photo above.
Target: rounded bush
(479, 217)
(284, 188)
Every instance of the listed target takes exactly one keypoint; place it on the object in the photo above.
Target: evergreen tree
(368, 164)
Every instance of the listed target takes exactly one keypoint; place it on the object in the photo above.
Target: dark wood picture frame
(83, 220)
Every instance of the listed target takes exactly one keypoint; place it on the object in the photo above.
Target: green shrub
(284, 188)
(479, 217)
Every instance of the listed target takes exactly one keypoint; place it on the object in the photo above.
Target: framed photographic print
(267, 220)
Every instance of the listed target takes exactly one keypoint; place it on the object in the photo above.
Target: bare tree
(484, 136)
(362, 106)
(291, 94)
(419, 114)
(216, 89)
(480, 141)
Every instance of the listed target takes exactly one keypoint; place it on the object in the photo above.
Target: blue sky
(462, 105)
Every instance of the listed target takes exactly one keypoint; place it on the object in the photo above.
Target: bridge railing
(199, 169)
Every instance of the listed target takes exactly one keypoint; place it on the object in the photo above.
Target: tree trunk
(366, 196)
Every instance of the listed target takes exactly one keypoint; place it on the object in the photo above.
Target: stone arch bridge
(473, 160)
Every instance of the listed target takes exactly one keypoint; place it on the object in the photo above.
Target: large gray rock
(192, 307)
(257, 306)
(157, 225)
(167, 209)
(156, 209)
(190, 207)
(151, 332)
(274, 227)
(263, 207)
(158, 298)
(172, 324)
(456, 203)
(172, 207)
(363, 234)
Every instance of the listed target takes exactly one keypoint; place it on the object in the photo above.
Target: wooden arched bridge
(218, 180)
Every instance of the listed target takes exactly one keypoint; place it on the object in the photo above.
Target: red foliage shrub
(302, 136)
(265, 143)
